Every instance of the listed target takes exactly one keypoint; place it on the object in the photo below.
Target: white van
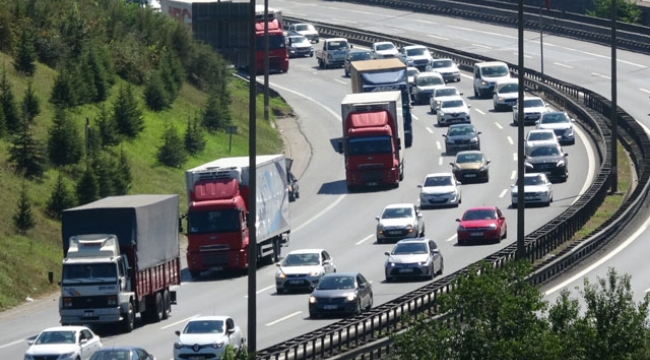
(486, 75)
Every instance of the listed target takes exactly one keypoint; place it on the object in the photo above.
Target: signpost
(230, 130)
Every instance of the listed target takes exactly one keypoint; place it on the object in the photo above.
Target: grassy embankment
(26, 260)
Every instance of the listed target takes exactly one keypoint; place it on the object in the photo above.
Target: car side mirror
(459, 183)
(377, 218)
(230, 331)
(419, 215)
(177, 332)
(351, 46)
(83, 341)
(566, 154)
(327, 262)
(461, 94)
(573, 120)
(488, 161)
(457, 220)
(435, 251)
(420, 186)
(451, 163)
(479, 133)
(386, 253)
(278, 264)
(30, 342)
(444, 135)
(469, 106)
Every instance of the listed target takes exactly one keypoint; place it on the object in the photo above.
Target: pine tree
(31, 106)
(194, 139)
(123, 177)
(8, 102)
(97, 75)
(224, 102)
(105, 170)
(156, 95)
(172, 153)
(212, 114)
(65, 145)
(107, 126)
(126, 113)
(62, 198)
(63, 94)
(172, 74)
(24, 218)
(25, 59)
(87, 188)
(27, 154)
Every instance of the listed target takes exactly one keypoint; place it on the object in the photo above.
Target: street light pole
(266, 60)
(521, 251)
(614, 117)
(541, 39)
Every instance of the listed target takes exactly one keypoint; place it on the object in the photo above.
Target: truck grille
(45, 357)
(90, 302)
(214, 259)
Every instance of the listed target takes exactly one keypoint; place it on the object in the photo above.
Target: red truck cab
(278, 52)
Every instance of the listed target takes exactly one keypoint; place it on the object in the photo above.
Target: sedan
(453, 111)
(471, 166)
(483, 223)
(64, 342)
(462, 137)
(399, 221)
(424, 84)
(355, 55)
(302, 269)
(413, 258)
(440, 94)
(206, 337)
(537, 190)
(548, 159)
(447, 68)
(561, 124)
(122, 353)
(299, 46)
(539, 137)
(341, 293)
(439, 189)
(533, 109)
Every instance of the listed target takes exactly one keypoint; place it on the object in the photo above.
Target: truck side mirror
(180, 225)
(340, 147)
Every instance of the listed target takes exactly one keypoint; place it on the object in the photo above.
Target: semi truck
(384, 75)
(226, 26)
(218, 198)
(373, 132)
(121, 257)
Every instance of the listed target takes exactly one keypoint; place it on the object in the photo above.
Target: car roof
(400, 205)
(409, 47)
(446, 88)
(532, 98)
(484, 207)
(67, 328)
(383, 43)
(534, 174)
(452, 126)
(429, 73)
(305, 251)
(106, 349)
(296, 24)
(469, 152)
(438, 174)
(209, 317)
(554, 113)
(490, 63)
(413, 240)
(357, 50)
(454, 98)
(540, 130)
(342, 273)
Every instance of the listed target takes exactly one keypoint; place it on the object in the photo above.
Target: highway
(326, 216)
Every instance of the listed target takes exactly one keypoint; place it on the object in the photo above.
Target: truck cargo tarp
(384, 81)
(149, 222)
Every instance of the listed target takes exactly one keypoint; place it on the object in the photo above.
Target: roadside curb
(296, 145)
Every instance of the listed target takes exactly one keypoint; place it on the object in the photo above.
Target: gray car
(341, 293)
(561, 124)
(302, 269)
(411, 258)
(548, 159)
(461, 137)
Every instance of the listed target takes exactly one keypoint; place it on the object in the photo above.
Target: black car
(461, 137)
(341, 293)
(355, 55)
(548, 159)
(122, 353)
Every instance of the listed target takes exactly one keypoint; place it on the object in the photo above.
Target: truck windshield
(275, 42)
(215, 221)
(77, 272)
(370, 145)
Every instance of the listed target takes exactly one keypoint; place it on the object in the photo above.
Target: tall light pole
(266, 60)
(614, 175)
(521, 251)
(541, 39)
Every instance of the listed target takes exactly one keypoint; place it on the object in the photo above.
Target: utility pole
(266, 60)
(521, 251)
(541, 39)
(614, 175)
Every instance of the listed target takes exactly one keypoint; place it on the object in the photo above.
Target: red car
(483, 223)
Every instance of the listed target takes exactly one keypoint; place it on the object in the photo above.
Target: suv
(447, 68)
(487, 75)
(534, 107)
(424, 84)
(453, 110)
(417, 56)
(306, 30)
(506, 94)
(462, 137)
(548, 159)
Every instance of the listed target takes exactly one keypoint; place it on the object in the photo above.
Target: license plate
(195, 358)
(88, 313)
(215, 268)
(330, 307)
(529, 197)
(406, 270)
(295, 282)
(372, 183)
(395, 232)
(476, 233)
(469, 175)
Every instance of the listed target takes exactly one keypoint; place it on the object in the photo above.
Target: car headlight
(484, 83)
(474, 140)
(351, 297)
(483, 168)
(312, 299)
(178, 345)
(390, 264)
(280, 275)
(560, 163)
(425, 262)
(409, 227)
(218, 345)
(527, 164)
(316, 273)
(569, 132)
(450, 141)
(442, 113)
(492, 226)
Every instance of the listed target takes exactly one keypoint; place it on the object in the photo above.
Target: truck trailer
(384, 75)
(121, 258)
(218, 196)
(372, 139)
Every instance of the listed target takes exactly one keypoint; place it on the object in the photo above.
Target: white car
(423, 86)
(416, 56)
(64, 343)
(206, 337)
(302, 269)
(506, 94)
(534, 107)
(306, 30)
(447, 68)
(561, 124)
(453, 111)
(410, 73)
(537, 190)
(384, 50)
(440, 94)
(538, 137)
(399, 221)
(439, 189)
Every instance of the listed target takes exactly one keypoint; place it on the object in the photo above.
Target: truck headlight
(111, 300)
(67, 302)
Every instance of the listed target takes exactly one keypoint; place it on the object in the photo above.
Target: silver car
(453, 111)
(561, 124)
(441, 94)
(399, 221)
(537, 190)
(439, 189)
(410, 258)
(302, 269)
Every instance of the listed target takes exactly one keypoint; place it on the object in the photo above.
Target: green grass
(26, 260)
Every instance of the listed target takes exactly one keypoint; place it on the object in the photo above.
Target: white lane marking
(483, 32)
(600, 56)
(503, 193)
(563, 65)
(362, 12)
(179, 322)
(480, 111)
(438, 145)
(364, 239)
(645, 90)
(498, 125)
(265, 289)
(438, 37)
(514, 156)
(510, 140)
(429, 130)
(452, 238)
(426, 22)
(13, 343)
(590, 160)
(440, 160)
(481, 46)
(331, 206)
(344, 20)
(340, 81)
(467, 76)
(415, 117)
(332, 112)
(284, 318)
(513, 175)
(601, 75)
(526, 56)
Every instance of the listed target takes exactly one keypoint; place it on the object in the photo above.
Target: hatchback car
(561, 124)
(447, 68)
(539, 137)
(399, 221)
(383, 50)
(461, 137)
(506, 94)
(409, 258)
(483, 223)
(442, 93)
(299, 46)
(64, 342)
(440, 189)
(548, 159)
(341, 293)
(534, 107)
(537, 190)
(207, 337)
(471, 166)
(453, 111)
(306, 30)
(423, 86)
(122, 353)
(355, 55)
(302, 269)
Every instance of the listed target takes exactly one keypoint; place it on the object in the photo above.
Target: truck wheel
(129, 320)
(277, 250)
(155, 313)
(320, 63)
(167, 304)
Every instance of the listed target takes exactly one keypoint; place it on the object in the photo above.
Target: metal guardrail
(367, 333)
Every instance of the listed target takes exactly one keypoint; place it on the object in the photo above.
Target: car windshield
(204, 327)
(451, 104)
(112, 354)
(215, 221)
(307, 259)
(336, 282)
(438, 181)
(429, 80)
(385, 46)
(410, 248)
(446, 92)
(338, 45)
(416, 52)
(275, 42)
(56, 337)
(533, 180)
(533, 103)
(441, 64)
(460, 130)
(480, 214)
(495, 71)
(397, 213)
(360, 55)
(554, 119)
(508, 88)
(544, 151)
(304, 27)
(299, 40)
(370, 145)
(541, 135)
(469, 158)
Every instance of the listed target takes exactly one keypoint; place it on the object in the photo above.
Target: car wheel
(505, 234)
(432, 271)
(157, 315)
(380, 241)
(280, 291)
(359, 307)
(320, 63)
(461, 242)
(442, 266)
(369, 303)
(195, 274)
(422, 233)
(475, 92)
(389, 279)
